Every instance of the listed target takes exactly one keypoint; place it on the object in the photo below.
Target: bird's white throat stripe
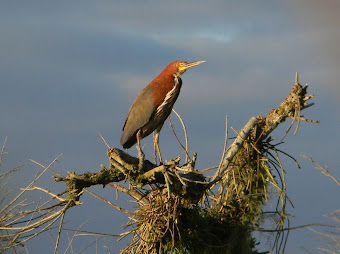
(168, 96)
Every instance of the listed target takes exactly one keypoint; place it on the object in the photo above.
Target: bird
(153, 105)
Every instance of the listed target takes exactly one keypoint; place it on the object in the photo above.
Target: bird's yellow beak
(184, 66)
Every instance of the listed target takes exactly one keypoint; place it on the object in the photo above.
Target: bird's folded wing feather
(139, 114)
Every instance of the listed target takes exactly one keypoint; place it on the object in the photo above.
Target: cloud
(69, 69)
(320, 22)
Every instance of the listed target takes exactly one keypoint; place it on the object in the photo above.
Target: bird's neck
(167, 82)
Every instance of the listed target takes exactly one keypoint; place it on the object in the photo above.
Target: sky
(70, 70)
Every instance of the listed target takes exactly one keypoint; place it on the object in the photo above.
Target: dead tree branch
(180, 209)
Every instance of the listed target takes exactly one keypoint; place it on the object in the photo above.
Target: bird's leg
(154, 148)
(141, 155)
(156, 142)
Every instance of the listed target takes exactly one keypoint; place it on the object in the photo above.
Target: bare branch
(110, 203)
(235, 147)
(187, 158)
(324, 170)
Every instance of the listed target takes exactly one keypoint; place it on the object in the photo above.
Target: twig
(3, 150)
(39, 164)
(71, 240)
(59, 232)
(110, 203)
(46, 191)
(136, 195)
(30, 185)
(293, 228)
(50, 220)
(225, 142)
(307, 120)
(297, 115)
(167, 182)
(185, 133)
(187, 158)
(179, 142)
(104, 140)
(234, 148)
(325, 171)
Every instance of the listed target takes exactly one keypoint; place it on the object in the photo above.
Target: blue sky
(69, 70)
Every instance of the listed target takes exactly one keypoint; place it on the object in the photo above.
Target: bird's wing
(139, 114)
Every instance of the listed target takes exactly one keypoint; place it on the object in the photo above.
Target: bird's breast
(161, 88)
(169, 96)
